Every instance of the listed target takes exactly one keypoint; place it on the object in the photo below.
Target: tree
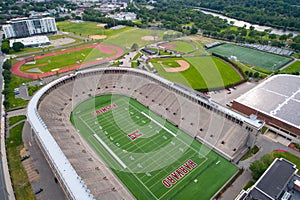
(5, 46)
(267, 159)
(257, 168)
(194, 30)
(256, 75)
(135, 46)
(272, 36)
(18, 46)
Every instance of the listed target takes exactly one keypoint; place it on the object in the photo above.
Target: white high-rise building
(25, 27)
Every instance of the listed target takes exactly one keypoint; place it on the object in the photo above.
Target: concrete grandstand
(82, 174)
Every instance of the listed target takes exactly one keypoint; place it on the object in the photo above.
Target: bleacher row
(198, 121)
(271, 49)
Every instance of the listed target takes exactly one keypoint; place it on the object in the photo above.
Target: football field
(253, 57)
(153, 158)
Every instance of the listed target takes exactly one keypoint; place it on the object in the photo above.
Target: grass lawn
(15, 119)
(288, 156)
(182, 46)
(143, 149)
(48, 64)
(21, 185)
(248, 185)
(251, 56)
(295, 67)
(15, 82)
(87, 28)
(250, 153)
(27, 50)
(204, 72)
(136, 56)
(134, 35)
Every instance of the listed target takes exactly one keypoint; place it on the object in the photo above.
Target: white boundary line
(110, 151)
(105, 146)
(159, 124)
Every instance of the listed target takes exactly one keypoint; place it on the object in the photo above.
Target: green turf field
(157, 151)
(183, 46)
(204, 72)
(251, 56)
(50, 63)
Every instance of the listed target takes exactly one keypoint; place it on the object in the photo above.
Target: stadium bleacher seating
(196, 120)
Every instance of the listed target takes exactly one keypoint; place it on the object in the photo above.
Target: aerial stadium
(120, 133)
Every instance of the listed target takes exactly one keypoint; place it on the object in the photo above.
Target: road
(3, 192)
(46, 179)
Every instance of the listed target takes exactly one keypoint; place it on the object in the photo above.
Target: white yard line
(105, 145)
(110, 151)
(159, 124)
(143, 183)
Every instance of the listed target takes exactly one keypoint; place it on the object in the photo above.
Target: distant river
(241, 23)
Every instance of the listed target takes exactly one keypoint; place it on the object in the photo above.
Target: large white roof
(278, 96)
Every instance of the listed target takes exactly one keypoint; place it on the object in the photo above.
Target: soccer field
(153, 158)
(251, 56)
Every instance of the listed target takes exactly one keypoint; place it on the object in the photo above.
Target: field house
(113, 133)
(276, 101)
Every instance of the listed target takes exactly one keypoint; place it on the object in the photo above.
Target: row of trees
(7, 78)
(11, 8)
(275, 13)
(91, 15)
(177, 14)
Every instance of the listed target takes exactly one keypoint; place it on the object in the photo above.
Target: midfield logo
(104, 109)
(134, 135)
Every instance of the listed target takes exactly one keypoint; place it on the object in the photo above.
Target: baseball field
(202, 72)
(153, 158)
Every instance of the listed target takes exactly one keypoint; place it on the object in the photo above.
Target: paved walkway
(16, 124)
(16, 112)
(237, 186)
(266, 146)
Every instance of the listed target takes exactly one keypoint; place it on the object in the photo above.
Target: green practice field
(251, 56)
(143, 149)
(182, 46)
(204, 72)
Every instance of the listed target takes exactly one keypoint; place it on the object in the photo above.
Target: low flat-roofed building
(33, 41)
(277, 102)
(277, 183)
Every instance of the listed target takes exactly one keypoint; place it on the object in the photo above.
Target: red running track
(104, 48)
